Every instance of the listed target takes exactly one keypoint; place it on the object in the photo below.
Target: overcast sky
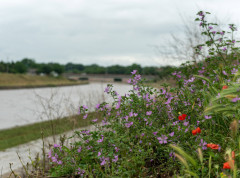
(105, 32)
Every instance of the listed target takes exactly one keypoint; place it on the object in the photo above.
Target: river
(24, 106)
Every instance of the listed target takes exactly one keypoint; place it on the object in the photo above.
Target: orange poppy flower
(197, 130)
(194, 132)
(182, 117)
(227, 164)
(213, 146)
(224, 87)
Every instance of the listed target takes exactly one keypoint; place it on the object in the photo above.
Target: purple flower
(79, 149)
(97, 106)
(99, 154)
(203, 144)
(208, 117)
(235, 99)
(134, 72)
(54, 159)
(148, 113)
(224, 49)
(155, 133)
(59, 162)
(107, 89)
(224, 72)
(85, 116)
(85, 107)
(128, 124)
(162, 139)
(214, 32)
(80, 172)
(100, 140)
(210, 27)
(94, 120)
(115, 158)
(222, 33)
(137, 77)
(171, 134)
(185, 123)
(234, 71)
(116, 149)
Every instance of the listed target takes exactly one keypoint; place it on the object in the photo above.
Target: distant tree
(94, 69)
(29, 63)
(19, 68)
(116, 69)
(132, 67)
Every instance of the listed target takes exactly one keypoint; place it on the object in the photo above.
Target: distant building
(54, 74)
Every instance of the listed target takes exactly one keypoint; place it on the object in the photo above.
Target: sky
(103, 32)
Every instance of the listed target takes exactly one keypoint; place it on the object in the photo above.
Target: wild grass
(24, 134)
(11, 81)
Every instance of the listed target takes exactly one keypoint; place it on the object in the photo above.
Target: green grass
(23, 134)
(11, 81)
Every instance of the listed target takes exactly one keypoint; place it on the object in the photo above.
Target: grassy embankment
(23, 134)
(14, 81)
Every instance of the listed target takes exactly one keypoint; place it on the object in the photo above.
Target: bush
(134, 137)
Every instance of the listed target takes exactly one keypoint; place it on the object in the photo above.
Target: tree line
(26, 65)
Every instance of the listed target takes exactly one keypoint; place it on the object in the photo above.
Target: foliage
(138, 128)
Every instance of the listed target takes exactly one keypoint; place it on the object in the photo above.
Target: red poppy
(194, 132)
(182, 117)
(213, 146)
(227, 164)
(224, 87)
(197, 130)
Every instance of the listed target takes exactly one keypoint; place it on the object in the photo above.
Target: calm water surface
(25, 106)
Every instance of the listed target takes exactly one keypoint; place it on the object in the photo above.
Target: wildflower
(85, 116)
(186, 124)
(155, 133)
(182, 117)
(162, 139)
(79, 149)
(222, 33)
(80, 172)
(128, 124)
(97, 106)
(228, 164)
(85, 107)
(224, 49)
(213, 146)
(106, 89)
(224, 72)
(59, 162)
(134, 72)
(224, 87)
(148, 113)
(208, 117)
(214, 32)
(100, 140)
(197, 130)
(235, 99)
(210, 27)
(115, 158)
(171, 134)
(203, 144)
(99, 154)
(94, 120)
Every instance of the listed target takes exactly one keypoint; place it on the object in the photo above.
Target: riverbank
(19, 81)
(23, 134)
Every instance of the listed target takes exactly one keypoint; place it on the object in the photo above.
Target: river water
(25, 106)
